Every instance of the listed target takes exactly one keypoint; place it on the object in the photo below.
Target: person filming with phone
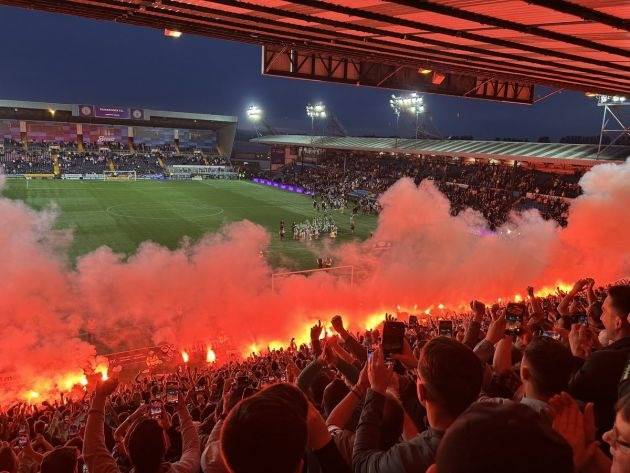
(145, 441)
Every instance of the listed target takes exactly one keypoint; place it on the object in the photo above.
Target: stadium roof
(577, 44)
(520, 151)
(223, 125)
(19, 109)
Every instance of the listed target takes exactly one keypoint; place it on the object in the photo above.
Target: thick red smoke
(220, 287)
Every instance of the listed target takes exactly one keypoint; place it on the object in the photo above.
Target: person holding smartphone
(445, 393)
(145, 442)
(598, 377)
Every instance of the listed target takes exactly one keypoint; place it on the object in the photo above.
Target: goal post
(345, 273)
(119, 175)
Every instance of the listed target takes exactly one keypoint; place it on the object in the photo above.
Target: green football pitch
(122, 215)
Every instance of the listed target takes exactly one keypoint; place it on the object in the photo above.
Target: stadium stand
(578, 154)
(493, 189)
(143, 164)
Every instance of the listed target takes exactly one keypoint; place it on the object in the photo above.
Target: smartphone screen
(155, 409)
(413, 320)
(582, 319)
(445, 328)
(551, 334)
(370, 352)
(514, 314)
(393, 336)
(172, 394)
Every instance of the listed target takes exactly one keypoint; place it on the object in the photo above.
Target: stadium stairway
(161, 162)
(110, 164)
(56, 166)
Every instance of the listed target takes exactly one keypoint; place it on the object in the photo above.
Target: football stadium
(209, 284)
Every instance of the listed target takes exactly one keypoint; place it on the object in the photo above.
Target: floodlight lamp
(254, 113)
(316, 111)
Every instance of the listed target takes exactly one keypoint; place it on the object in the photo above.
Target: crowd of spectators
(19, 162)
(142, 163)
(548, 391)
(35, 160)
(73, 162)
(493, 189)
(95, 157)
(196, 159)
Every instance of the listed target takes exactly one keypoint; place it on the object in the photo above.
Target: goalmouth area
(123, 214)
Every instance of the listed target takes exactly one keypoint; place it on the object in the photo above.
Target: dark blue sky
(61, 58)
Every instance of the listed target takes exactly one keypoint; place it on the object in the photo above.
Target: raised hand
(494, 311)
(496, 330)
(328, 355)
(580, 285)
(576, 428)
(364, 381)
(316, 330)
(337, 324)
(379, 374)
(106, 388)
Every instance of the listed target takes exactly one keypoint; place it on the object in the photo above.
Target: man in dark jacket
(449, 380)
(598, 379)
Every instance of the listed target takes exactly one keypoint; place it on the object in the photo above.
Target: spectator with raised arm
(597, 379)
(449, 380)
(146, 442)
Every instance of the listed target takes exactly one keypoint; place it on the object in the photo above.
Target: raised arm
(121, 431)
(563, 307)
(538, 312)
(349, 341)
(343, 411)
(95, 453)
(474, 327)
(502, 361)
(191, 450)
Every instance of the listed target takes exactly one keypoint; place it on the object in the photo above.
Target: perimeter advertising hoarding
(282, 186)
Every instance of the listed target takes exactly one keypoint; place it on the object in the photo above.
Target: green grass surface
(121, 215)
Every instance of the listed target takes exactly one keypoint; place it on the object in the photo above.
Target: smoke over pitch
(220, 286)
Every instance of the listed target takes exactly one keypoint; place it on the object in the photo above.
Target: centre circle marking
(134, 210)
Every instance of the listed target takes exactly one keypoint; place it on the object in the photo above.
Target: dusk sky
(58, 58)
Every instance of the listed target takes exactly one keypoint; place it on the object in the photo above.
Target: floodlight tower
(318, 111)
(615, 119)
(256, 116)
(416, 107)
(411, 103)
(395, 103)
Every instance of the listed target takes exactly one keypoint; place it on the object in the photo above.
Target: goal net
(119, 175)
(340, 273)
